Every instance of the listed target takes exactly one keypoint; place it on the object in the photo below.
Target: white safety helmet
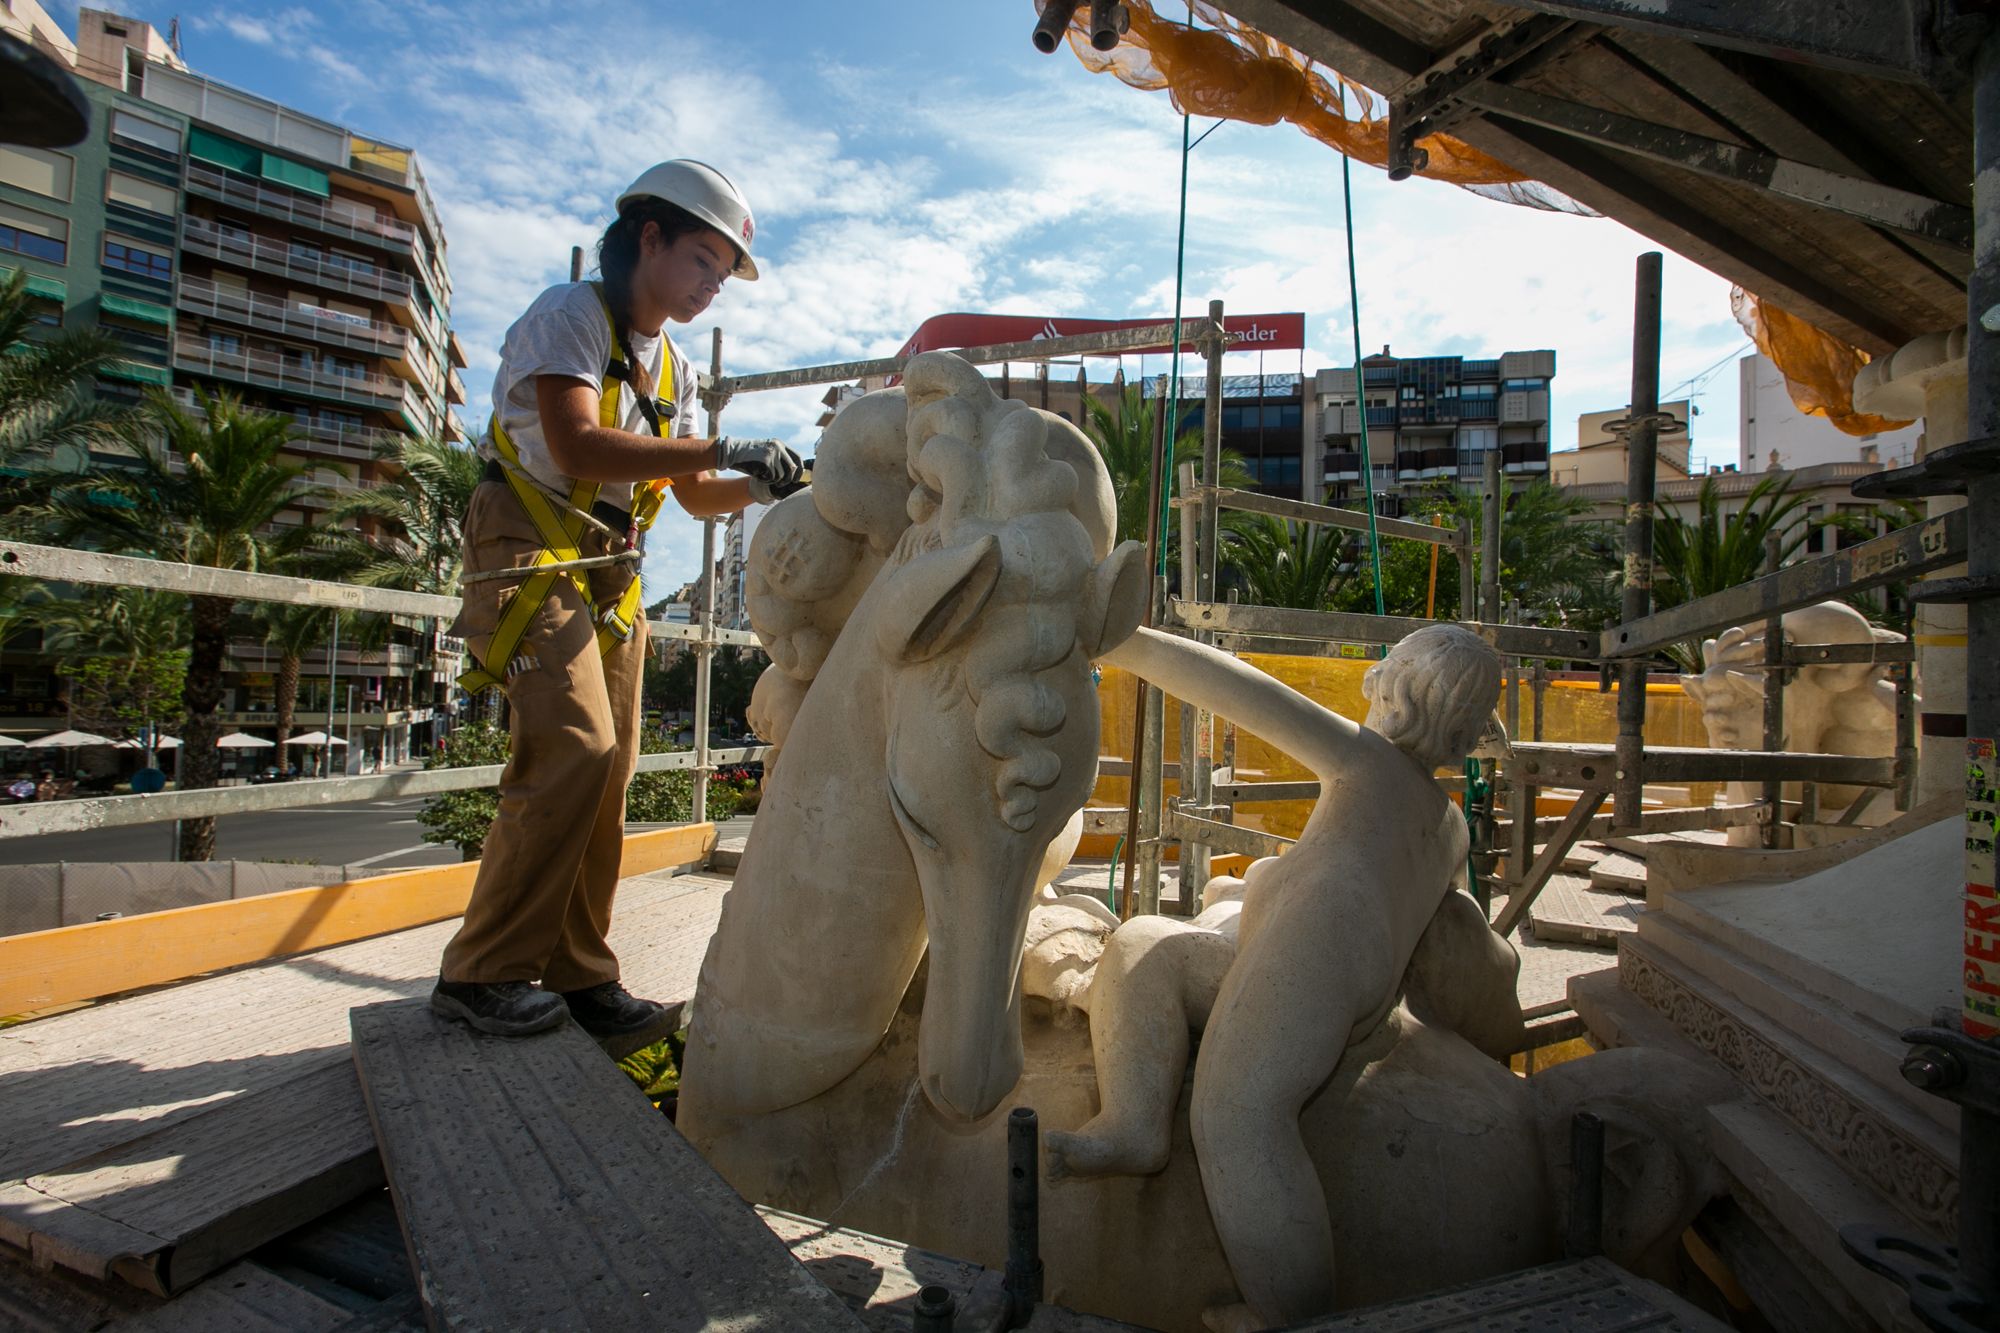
(706, 193)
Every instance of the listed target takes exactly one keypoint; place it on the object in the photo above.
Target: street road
(382, 835)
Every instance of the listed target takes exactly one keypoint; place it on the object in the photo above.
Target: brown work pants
(542, 902)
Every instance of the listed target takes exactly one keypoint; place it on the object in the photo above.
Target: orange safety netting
(1818, 367)
(1231, 71)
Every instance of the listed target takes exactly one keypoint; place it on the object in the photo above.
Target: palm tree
(294, 631)
(418, 517)
(207, 495)
(45, 383)
(1555, 564)
(123, 653)
(1124, 440)
(418, 523)
(1286, 564)
(1717, 551)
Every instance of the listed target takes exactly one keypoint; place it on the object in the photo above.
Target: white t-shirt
(565, 333)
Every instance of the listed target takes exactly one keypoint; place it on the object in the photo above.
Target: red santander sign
(1271, 333)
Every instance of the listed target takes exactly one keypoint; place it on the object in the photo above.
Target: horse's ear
(936, 597)
(1115, 601)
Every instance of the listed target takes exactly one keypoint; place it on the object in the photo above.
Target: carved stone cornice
(1865, 1143)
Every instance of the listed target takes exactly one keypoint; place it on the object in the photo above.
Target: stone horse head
(995, 603)
(946, 738)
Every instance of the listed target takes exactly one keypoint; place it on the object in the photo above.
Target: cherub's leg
(1157, 978)
(1276, 1034)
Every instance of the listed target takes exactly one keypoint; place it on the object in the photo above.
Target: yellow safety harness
(561, 525)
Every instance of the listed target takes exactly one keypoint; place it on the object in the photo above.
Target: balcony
(199, 296)
(454, 388)
(202, 237)
(300, 210)
(1524, 458)
(1479, 407)
(269, 371)
(1343, 465)
(320, 437)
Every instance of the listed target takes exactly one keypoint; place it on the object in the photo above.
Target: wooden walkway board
(160, 1137)
(537, 1188)
(1584, 1294)
(1569, 912)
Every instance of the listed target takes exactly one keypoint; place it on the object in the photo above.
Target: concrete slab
(1879, 933)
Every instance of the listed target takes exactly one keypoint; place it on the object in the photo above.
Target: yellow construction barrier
(47, 968)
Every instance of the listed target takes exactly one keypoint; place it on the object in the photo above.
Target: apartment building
(233, 243)
(1600, 455)
(1431, 420)
(1773, 433)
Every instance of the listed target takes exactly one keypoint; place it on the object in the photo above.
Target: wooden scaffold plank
(538, 1188)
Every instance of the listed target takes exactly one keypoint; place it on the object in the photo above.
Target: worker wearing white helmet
(593, 420)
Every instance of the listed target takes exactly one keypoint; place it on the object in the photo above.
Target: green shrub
(462, 817)
(668, 798)
(657, 1068)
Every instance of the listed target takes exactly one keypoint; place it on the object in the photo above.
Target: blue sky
(900, 168)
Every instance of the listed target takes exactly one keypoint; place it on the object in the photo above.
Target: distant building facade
(1432, 420)
(229, 242)
(1773, 434)
(1600, 455)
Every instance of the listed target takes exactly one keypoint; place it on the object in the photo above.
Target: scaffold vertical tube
(1641, 440)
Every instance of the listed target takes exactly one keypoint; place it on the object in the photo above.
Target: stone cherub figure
(1322, 940)
(1839, 708)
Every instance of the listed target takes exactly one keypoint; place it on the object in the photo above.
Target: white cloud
(891, 187)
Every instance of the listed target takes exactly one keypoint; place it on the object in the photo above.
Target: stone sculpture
(860, 1029)
(1843, 708)
(1326, 933)
(947, 737)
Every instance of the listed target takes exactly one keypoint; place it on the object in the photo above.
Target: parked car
(274, 774)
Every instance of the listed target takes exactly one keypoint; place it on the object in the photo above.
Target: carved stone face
(1844, 709)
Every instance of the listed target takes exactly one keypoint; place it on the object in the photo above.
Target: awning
(131, 309)
(138, 372)
(49, 289)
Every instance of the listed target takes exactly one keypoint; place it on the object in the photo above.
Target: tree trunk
(202, 694)
(288, 698)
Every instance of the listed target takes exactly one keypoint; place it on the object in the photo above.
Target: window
(226, 343)
(1522, 386)
(36, 235)
(38, 171)
(138, 260)
(146, 133)
(135, 192)
(352, 263)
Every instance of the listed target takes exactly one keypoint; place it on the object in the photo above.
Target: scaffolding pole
(1641, 440)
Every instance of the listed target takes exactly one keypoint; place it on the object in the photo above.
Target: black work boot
(620, 1021)
(504, 1008)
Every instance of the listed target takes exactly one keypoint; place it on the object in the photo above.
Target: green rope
(1174, 378)
(1360, 386)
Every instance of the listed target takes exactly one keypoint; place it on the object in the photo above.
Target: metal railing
(268, 370)
(50, 563)
(299, 209)
(200, 296)
(246, 250)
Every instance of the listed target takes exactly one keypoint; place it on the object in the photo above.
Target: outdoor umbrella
(5, 741)
(69, 740)
(163, 743)
(315, 738)
(239, 740)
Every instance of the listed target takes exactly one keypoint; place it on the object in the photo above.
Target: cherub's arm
(1322, 740)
